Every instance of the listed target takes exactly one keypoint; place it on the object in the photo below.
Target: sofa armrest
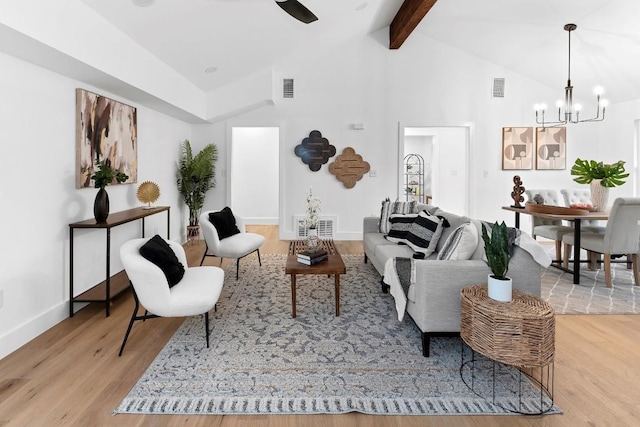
(370, 224)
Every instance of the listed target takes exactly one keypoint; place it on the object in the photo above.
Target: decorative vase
(312, 238)
(101, 206)
(193, 233)
(499, 290)
(599, 195)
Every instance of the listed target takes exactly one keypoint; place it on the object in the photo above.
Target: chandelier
(568, 112)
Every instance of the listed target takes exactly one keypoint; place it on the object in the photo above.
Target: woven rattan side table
(519, 333)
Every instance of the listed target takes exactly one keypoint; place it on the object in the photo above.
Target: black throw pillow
(158, 251)
(224, 222)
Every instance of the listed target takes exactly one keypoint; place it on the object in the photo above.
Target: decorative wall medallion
(349, 167)
(315, 150)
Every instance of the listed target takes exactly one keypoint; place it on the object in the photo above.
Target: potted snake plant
(496, 247)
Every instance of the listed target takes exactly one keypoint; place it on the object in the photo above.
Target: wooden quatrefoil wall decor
(349, 167)
(315, 150)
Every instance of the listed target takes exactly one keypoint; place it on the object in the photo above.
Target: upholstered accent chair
(621, 237)
(195, 293)
(234, 246)
(549, 228)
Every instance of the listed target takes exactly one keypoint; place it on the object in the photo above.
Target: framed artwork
(551, 148)
(106, 130)
(517, 148)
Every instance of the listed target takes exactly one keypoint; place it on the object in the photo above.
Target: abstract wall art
(551, 148)
(349, 167)
(517, 148)
(105, 130)
(315, 150)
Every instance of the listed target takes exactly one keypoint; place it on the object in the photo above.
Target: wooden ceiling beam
(407, 19)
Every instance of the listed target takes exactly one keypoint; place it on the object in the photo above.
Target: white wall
(254, 174)
(39, 198)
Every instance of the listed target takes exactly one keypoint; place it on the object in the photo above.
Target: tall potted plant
(496, 247)
(195, 175)
(104, 176)
(601, 176)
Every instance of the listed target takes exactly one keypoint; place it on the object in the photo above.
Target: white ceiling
(241, 37)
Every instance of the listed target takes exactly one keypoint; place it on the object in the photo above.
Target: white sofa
(434, 300)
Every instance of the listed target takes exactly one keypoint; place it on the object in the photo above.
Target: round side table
(519, 333)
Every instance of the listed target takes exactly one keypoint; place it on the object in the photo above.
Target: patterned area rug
(262, 361)
(591, 296)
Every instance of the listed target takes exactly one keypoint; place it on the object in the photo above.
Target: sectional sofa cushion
(461, 243)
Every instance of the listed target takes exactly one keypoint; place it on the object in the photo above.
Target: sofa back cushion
(454, 221)
(461, 244)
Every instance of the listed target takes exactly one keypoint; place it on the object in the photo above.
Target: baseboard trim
(32, 328)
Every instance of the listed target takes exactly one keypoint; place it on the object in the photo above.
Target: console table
(114, 219)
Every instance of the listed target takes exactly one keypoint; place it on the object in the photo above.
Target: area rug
(591, 296)
(263, 361)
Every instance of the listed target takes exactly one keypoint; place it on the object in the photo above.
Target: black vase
(101, 206)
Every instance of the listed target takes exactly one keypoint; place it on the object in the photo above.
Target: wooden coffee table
(333, 265)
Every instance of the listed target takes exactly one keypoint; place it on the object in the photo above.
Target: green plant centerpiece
(497, 250)
(610, 175)
(600, 176)
(195, 175)
(104, 176)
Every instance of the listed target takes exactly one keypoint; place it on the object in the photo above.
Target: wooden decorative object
(315, 150)
(516, 194)
(148, 192)
(349, 167)
(554, 210)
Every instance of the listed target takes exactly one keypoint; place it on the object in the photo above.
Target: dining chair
(228, 238)
(194, 292)
(621, 237)
(549, 228)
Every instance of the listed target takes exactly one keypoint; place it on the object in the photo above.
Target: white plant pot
(499, 290)
(599, 195)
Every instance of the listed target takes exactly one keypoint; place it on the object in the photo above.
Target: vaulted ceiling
(238, 37)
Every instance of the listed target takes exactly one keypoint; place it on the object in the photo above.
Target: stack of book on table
(312, 256)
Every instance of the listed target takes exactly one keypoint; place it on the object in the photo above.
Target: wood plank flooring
(72, 376)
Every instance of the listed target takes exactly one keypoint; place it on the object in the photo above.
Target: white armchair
(236, 246)
(621, 236)
(196, 293)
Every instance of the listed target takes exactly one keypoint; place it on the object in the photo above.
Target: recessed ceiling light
(361, 6)
(210, 70)
(143, 3)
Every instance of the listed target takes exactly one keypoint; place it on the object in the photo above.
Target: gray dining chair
(549, 228)
(621, 237)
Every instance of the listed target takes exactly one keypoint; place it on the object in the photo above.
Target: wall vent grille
(498, 87)
(287, 88)
(326, 227)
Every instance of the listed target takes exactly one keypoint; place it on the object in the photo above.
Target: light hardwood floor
(72, 375)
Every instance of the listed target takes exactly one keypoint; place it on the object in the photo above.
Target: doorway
(254, 174)
(446, 164)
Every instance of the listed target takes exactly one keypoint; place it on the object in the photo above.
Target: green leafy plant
(105, 175)
(195, 175)
(496, 247)
(611, 175)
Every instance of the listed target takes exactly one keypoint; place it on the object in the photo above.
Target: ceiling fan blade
(297, 10)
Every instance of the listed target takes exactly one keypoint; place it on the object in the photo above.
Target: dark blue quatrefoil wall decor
(315, 150)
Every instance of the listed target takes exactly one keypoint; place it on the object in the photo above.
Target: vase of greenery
(496, 247)
(195, 175)
(600, 176)
(104, 176)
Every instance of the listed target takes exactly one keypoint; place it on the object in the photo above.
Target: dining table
(573, 215)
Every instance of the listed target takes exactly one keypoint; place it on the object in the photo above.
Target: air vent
(326, 227)
(498, 87)
(287, 88)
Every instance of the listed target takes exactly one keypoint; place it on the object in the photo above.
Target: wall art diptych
(105, 130)
(551, 150)
(315, 150)
(517, 148)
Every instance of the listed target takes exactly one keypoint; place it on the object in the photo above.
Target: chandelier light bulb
(577, 107)
(604, 103)
(598, 90)
(559, 103)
